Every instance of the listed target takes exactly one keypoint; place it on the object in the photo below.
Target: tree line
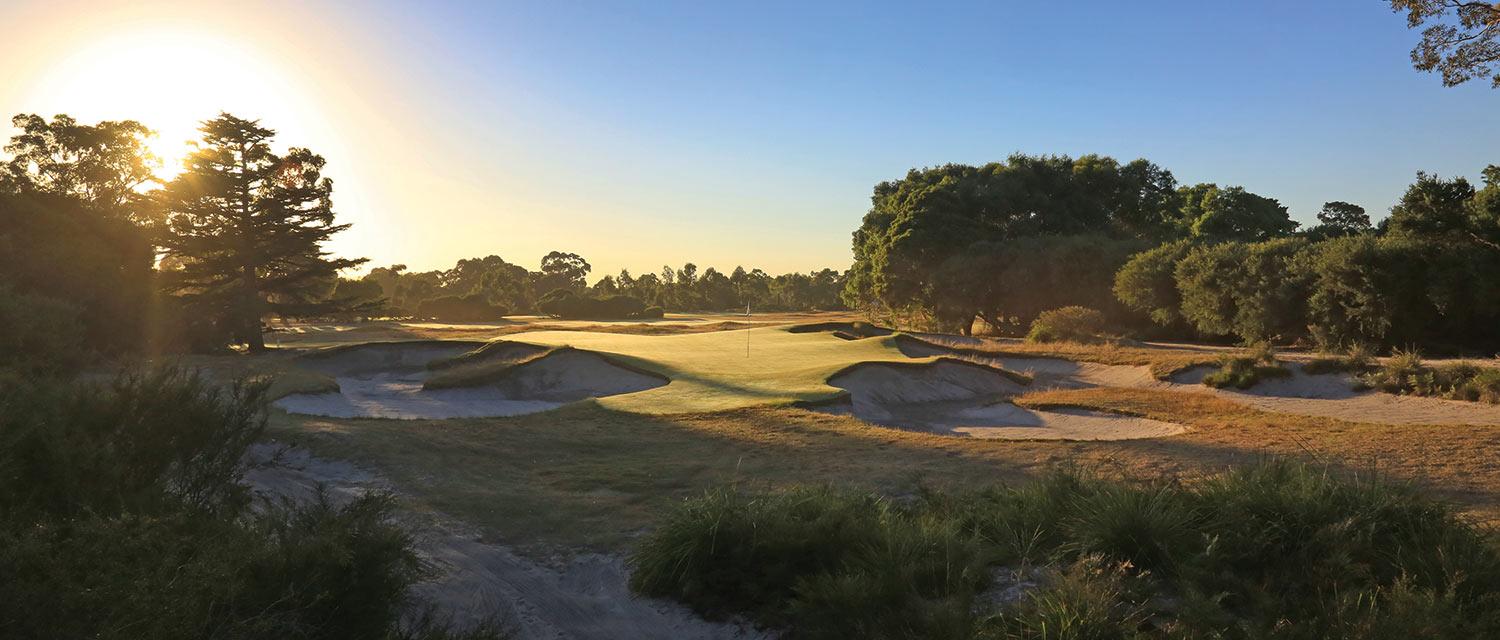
(957, 246)
(489, 287)
(96, 249)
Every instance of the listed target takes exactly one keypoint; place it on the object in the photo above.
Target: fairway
(729, 369)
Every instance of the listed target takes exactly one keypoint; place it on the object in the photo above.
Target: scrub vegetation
(1269, 550)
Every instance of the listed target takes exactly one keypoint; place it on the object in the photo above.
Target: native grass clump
(1275, 549)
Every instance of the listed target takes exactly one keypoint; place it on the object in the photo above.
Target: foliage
(1245, 370)
(246, 227)
(564, 303)
(932, 239)
(39, 334)
(103, 166)
(1068, 324)
(1461, 41)
(1405, 373)
(122, 516)
(470, 308)
(56, 247)
(1273, 546)
(1254, 291)
(1356, 359)
(1147, 282)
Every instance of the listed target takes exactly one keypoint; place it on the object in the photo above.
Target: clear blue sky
(649, 132)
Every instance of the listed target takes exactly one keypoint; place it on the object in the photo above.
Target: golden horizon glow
(170, 79)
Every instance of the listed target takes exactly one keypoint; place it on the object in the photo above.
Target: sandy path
(580, 598)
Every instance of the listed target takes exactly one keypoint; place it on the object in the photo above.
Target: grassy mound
(1246, 370)
(1273, 550)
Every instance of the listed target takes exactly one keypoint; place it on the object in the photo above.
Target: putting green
(728, 369)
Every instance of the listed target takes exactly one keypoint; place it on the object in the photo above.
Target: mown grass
(1274, 549)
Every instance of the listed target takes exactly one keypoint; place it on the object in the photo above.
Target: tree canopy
(924, 232)
(245, 229)
(1460, 38)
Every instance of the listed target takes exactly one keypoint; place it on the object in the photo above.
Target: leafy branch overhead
(1461, 40)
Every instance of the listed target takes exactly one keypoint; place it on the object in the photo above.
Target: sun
(171, 80)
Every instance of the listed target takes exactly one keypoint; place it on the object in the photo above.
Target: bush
(1068, 324)
(1146, 283)
(1272, 549)
(1405, 373)
(122, 516)
(565, 303)
(1254, 291)
(1356, 359)
(653, 313)
(38, 334)
(1246, 370)
(100, 264)
(470, 308)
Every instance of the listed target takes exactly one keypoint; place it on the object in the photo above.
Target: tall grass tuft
(1247, 369)
(1274, 549)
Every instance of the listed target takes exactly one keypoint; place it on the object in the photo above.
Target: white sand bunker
(958, 397)
(1333, 396)
(392, 380)
(1046, 373)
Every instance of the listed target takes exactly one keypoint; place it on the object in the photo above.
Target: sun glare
(170, 81)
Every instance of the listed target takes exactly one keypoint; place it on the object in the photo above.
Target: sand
(960, 398)
(1333, 396)
(385, 380)
(579, 598)
(1322, 395)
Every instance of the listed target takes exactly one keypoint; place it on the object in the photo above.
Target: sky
(639, 134)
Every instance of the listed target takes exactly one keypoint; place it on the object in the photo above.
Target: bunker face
(960, 398)
(386, 381)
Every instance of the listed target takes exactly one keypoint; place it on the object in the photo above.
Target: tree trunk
(251, 313)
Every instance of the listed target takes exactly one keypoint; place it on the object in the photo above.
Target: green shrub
(122, 516)
(1356, 359)
(653, 313)
(38, 334)
(1068, 324)
(565, 303)
(1146, 283)
(470, 308)
(1274, 549)
(1406, 373)
(1246, 370)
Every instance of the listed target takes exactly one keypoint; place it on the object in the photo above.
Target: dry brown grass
(1163, 361)
(586, 476)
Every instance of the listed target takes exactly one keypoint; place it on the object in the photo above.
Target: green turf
(728, 369)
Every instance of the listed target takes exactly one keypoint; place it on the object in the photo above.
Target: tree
(1461, 39)
(246, 226)
(1433, 206)
(563, 271)
(1231, 213)
(917, 224)
(1147, 283)
(102, 165)
(1344, 218)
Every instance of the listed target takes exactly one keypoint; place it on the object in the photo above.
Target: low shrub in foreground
(122, 516)
(1405, 373)
(1246, 370)
(1068, 324)
(1274, 550)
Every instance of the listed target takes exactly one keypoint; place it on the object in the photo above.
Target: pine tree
(245, 229)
